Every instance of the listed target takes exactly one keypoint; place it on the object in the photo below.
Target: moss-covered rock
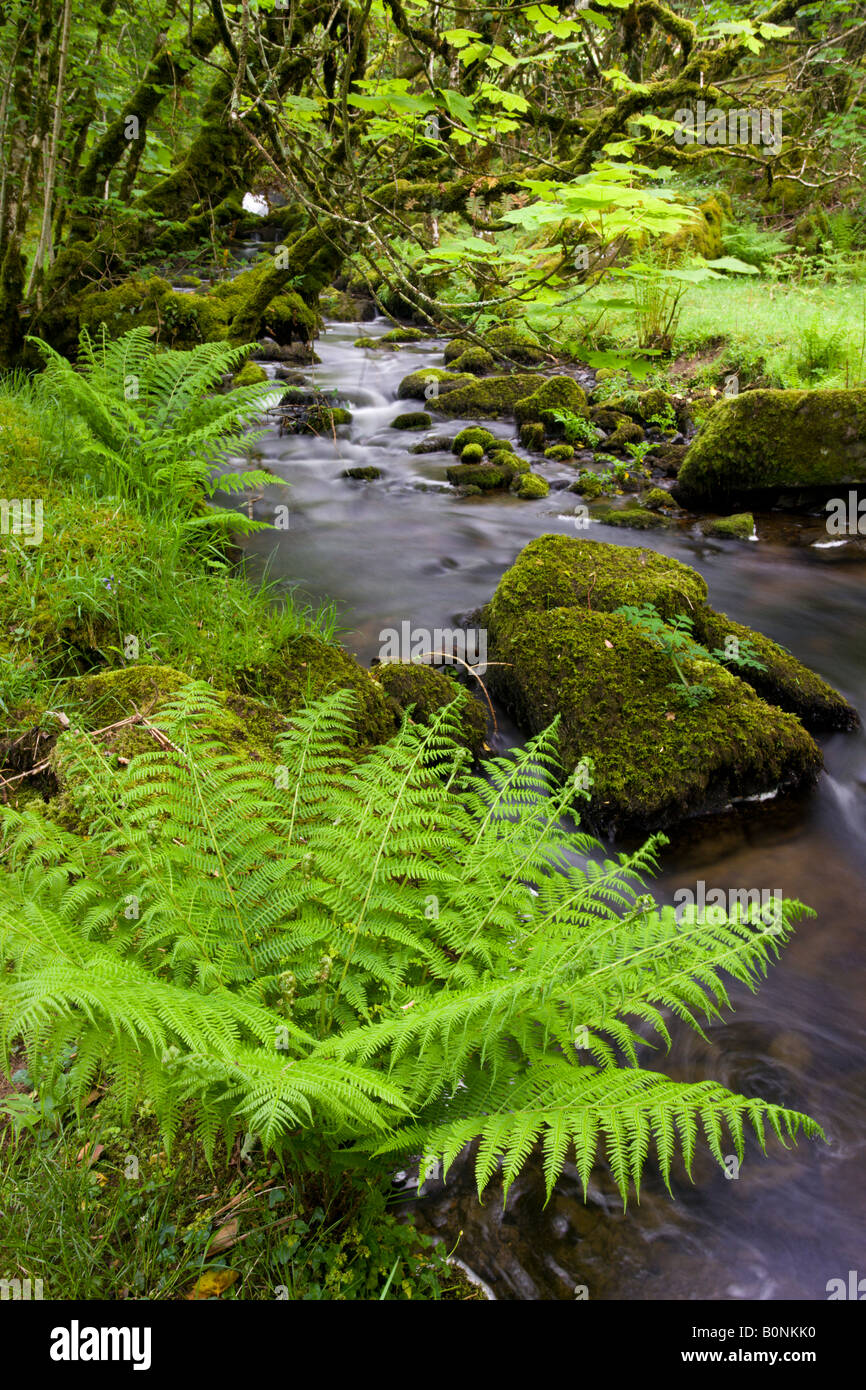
(560, 453)
(658, 499)
(628, 433)
(774, 439)
(426, 691)
(531, 435)
(343, 307)
(703, 236)
(471, 453)
(516, 344)
(250, 374)
(531, 487)
(431, 383)
(654, 759)
(606, 418)
(412, 420)
(554, 394)
(403, 335)
(456, 348)
(738, 527)
(483, 476)
(638, 518)
(476, 360)
(363, 473)
(487, 397)
(473, 434)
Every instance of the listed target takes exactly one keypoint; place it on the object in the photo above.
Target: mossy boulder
(516, 344)
(432, 383)
(655, 760)
(403, 335)
(484, 476)
(606, 418)
(627, 433)
(556, 393)
(531, 487)
(638, 518)
(456, 348)
(250, 374)
(658, 499)
(412, 420)
(560, 453)
(777, 439)
(476, 360)
(531, 435)
(342, 307)
(426, 691)
(473, 434)
(367, 472)
(703, 235)
(738, 527)
(487, 397)
(471, 453)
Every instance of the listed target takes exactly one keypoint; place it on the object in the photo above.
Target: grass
(99, 1211)
(108, 571)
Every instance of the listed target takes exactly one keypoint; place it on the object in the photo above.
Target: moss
(607, 419)
(416, 385)
(306, 668)
(340, 306)
(471, 453)
(516, 344)
(480, 475)
(629, 433)
(128, 305)
(412, 420)
(251, 374)
(487, 397)
(476, 360)
(560, 453)
(474, 434)
(702, 237)
(403, 335)
(456, 348)
(739, 527)
(654, 759)
(531, 435)
(668, 458)
(638, 518)
(611, 687)
(426, 691)
(555, 393)
(656, 498)
(786, 681)
(557, 571)
(366, 473)
(288, 319)
(438, 445)
(644, 407)
(504, 458)
(323, 419)
(588, 484)
(773, 439)
(367, 342)
(531, 487)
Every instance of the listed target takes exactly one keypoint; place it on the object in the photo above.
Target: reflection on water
(406, 547)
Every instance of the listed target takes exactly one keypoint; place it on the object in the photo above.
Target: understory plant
(375, 953)
(155, 426)
(674, 637)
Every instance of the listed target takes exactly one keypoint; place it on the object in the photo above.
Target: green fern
(385, 951)
(155, 423)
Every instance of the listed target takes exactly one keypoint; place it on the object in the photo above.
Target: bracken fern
(381, 952)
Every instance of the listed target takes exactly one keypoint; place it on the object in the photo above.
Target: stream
(408, 547)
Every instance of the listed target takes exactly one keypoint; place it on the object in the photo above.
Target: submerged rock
(738, 527)
(777, 439)
(654, 759)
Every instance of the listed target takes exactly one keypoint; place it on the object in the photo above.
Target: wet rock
(367, 473)
(412, 420)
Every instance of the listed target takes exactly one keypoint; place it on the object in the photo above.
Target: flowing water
(407, 547)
